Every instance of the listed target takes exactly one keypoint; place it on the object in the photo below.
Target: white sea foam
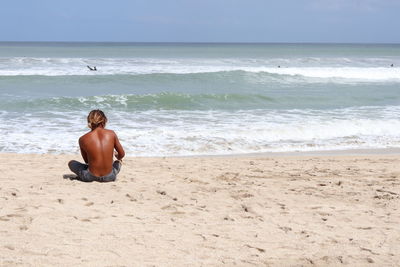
(367, 74)
(158, 133)
(361, 69)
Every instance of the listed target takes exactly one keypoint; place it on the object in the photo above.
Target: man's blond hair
(96, 118)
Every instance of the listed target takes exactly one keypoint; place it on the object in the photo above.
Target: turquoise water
(192, 99)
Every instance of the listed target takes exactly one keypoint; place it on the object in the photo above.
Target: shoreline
(321, 153)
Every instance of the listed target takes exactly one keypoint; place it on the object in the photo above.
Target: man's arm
(83, 152)
(118, 147)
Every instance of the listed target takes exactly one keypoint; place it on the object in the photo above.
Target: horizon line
(200, 42)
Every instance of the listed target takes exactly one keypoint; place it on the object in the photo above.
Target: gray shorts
(84, 175)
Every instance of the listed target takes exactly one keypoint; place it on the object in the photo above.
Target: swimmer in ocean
(92, 69)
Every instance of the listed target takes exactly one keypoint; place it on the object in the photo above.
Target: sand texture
(207, 211)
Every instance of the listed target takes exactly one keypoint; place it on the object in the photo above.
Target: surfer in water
(92, 69)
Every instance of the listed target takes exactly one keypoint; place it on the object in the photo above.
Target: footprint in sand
(228, 218)
(131, 198)
(285, 229)
(369, 260)
(241, 194)
(9, 247)
(161, 192)
(245, 208)
(257, 248)
(228, 177)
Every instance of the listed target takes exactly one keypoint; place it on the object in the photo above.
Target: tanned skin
(97, 147)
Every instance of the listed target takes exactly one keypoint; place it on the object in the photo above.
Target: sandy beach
(203, 211)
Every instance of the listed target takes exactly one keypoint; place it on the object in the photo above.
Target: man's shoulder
(108, 131)
(91, 134)
(85, 135)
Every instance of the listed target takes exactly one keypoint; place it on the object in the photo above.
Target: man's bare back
(97, 149)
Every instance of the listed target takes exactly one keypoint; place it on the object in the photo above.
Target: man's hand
(117, 156)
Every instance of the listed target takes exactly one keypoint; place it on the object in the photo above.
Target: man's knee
(75, 166)
(117, 165)
(70, 163)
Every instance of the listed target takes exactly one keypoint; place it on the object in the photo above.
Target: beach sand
(261, 210)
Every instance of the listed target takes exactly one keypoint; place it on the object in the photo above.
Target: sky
(316, 21)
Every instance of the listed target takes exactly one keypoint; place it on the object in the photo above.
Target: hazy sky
(375, 21)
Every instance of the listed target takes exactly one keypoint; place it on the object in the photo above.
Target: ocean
(176, 99)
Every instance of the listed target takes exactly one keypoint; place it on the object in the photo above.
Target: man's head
(96, 118)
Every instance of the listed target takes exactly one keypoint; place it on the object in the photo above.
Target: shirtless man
(97, 147)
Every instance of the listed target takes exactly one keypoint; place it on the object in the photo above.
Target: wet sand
(263, 210)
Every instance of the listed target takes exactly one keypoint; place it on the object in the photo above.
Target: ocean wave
(237, 100)
(164, 100)
(370, 70)
(167, 133)
(350, 73)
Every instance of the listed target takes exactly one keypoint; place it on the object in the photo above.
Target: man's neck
(99, 127)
